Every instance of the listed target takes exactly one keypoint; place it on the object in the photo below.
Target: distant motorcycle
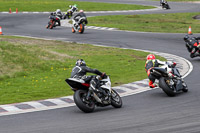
(191, 44)
(170, 85)
(53, 21)
(79, 26)
(165, 5)
(97, 97)
(70, 12)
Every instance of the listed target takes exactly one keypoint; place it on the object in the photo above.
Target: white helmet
(58, 11)
(70, 6)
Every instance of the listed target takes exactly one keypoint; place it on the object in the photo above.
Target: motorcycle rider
(161, 1)
(195, 52)
(73, 8)
(149, 66)
(71, 11)
(80, 15)
(153, 62)
(57, 16)
(164, 4)
(80, 70)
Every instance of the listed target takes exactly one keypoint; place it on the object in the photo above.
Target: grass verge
(34, 69)
(167, 23)
(52, 5)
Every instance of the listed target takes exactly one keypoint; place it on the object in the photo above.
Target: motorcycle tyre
(165, 88)
(80, 104)
(82, 28)
(114, 103)
(73, 30)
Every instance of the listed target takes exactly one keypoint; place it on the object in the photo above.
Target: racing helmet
(58, 11)
(151, 57)
(70, 6)
(80, 62)
(186, 38)
(81, 11)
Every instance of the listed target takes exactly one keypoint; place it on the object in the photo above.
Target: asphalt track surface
(147, 112)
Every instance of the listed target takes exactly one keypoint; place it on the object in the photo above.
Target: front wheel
(116, 100)
(73, 30)
(82, 103)
(185, 87)
(169, 91)
(51, 24)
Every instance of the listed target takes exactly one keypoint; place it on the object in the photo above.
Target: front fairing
(176, 72)
(179, 85)
(106, 83)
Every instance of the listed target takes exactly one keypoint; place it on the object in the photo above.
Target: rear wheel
(82, 103)
(82, 28)
(169, 91)
(116, 100)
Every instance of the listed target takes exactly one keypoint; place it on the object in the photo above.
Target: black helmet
(186, 37)
(80, 62)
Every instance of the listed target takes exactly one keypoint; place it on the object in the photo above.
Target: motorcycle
(70, 12)
(103, 96)
(165, 5)
(191, 44)
(79, 26)
(52, 22)
(171, 85)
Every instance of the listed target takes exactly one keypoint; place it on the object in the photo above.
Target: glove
(170, 75)
(103, 75)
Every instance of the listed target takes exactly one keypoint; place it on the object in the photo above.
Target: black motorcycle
(171, 85)
(191, 44)
(54, 21)
(165, 5)
(103, 96)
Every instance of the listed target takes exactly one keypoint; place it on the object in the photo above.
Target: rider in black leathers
(79, 72)
(192, 41)
(81, 14)
(56, 16)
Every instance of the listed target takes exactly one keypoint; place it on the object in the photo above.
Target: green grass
(167, 23)
(52, 5)
(33, 69)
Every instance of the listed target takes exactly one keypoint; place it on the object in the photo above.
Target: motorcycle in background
(165, 5)
(191, 44)
(103, 96)
(53, 21)
(70, 12)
